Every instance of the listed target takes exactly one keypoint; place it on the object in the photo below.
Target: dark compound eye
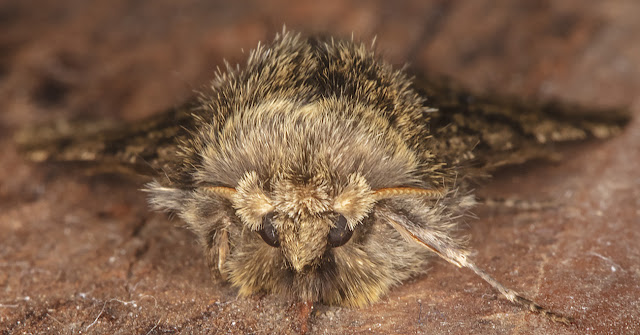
(340, 233)
(268, 232)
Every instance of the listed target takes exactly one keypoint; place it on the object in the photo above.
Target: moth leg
(223, 251)
(216, 245)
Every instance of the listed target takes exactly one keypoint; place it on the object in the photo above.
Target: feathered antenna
(392, 192)
(222, 191)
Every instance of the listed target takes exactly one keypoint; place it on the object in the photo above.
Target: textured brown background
(83, 255)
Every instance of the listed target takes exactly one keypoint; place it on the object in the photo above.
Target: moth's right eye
(340, 233)
(268, 232)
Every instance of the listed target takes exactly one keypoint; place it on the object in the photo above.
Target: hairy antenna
(391, 192)
(459, 258)
(222, 191)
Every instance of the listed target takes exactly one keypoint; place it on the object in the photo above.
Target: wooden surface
(84, 255)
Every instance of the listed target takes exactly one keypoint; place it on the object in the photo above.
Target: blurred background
(86, 255)
(65, 55)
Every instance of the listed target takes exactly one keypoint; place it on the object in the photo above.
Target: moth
(321, 172)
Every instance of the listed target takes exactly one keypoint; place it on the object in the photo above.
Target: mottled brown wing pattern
(147, 147)
(484, 132)
(478, 132)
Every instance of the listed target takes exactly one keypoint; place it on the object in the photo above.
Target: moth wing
(147, 147)
(488, 131)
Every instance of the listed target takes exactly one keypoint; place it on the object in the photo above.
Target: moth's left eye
(268, 232)
(339, 233)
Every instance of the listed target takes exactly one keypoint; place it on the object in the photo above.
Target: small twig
(154, 327)
(105, 305)
(614, 265)
(8, 306)
(54, 319)
(97, 317)
(132, 302)
(155, 301)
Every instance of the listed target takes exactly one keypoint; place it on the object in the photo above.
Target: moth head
(303, 219)
(296, 198)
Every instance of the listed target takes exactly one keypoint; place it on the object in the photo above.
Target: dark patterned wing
(474, 131)
(147, 147)
(486, 132)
